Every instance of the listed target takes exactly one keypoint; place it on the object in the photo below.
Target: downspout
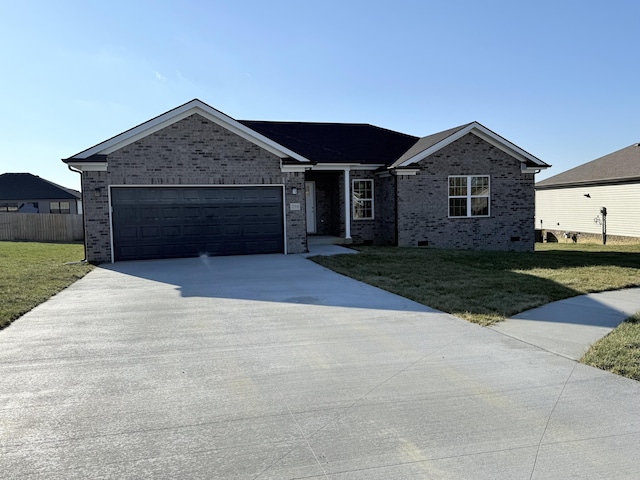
(84, 226)
(395, 209)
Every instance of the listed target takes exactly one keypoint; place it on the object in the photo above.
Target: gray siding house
(195, 181)
(571, 203)
(28, 193)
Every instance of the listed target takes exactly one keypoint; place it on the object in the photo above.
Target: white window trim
(468, 196)
(353, 207)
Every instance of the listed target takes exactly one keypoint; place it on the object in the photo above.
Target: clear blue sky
(558, 78)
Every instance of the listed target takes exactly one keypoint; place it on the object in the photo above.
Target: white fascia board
(89, 166)
(525, 169)
(505, 145)
(180, 113)
(483, 133)
(405, 172)
(294, 168)
(346, 166)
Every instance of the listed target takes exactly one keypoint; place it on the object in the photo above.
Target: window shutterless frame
(362, 199)
(469, 196)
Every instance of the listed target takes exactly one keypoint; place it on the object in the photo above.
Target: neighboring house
(27, 193)
(571, 203)
(195, 181)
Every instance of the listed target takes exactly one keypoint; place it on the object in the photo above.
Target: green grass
(30, 273)
(618, 352)
(486, 287)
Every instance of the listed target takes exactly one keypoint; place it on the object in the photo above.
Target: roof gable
(26, 186)
(97, 152)
(431, 144)
(619, 166)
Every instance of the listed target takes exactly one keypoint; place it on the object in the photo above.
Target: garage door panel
(165, 222)
(171, 214)
(150, 251)
(192, 230)
(150, 232)
(171, 231)
(128, 233)
(213, 230)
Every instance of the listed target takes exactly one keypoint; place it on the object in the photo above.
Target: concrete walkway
(273, 367)
(569, 327)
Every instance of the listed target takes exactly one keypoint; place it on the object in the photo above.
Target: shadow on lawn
(485, 287)
(552, 259)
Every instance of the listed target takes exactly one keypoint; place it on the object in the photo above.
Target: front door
(310, 201)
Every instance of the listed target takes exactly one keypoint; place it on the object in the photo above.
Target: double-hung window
(59, 207)
(469, 196)
(362, 199)
(8, 207)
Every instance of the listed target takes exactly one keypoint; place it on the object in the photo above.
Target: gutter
(84, 226)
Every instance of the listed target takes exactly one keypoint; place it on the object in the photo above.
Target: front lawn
(618, 352)
(486, 287)
(30, 273)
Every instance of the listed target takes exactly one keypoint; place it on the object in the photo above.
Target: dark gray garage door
(170, 222)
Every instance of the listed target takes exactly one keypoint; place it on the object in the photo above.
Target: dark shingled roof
(336, 142)
(25, 186)
(617, 167)
(427, 142)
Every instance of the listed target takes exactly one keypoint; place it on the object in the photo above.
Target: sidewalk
(569, 327)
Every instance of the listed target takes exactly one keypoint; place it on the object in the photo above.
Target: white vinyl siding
(567, 209)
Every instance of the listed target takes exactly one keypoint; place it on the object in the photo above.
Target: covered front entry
(323, 196)
(170, 222)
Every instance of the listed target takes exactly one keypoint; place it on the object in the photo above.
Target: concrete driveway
(273, 367)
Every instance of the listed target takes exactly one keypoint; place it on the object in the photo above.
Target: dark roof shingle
(426, 142)
(622, 165)
(26, 186)
(336, 142)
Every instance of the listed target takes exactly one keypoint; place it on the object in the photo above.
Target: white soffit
(88, 166)
(180, 113)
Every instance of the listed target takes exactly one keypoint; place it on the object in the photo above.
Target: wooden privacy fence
(41, 227)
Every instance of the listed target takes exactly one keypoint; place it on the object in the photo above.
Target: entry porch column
(347, 205)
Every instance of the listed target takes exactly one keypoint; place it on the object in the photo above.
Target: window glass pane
(480, 206)
(479, 186)
(362, 209)
(8, 207)
(457, 186)
(457, 207)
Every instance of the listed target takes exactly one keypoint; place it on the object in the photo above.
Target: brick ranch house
(194, 180)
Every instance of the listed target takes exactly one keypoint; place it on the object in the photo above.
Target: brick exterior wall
(422, 200)
(385, 198)
(192, 151)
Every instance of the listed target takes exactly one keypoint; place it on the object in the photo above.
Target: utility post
(603, 212)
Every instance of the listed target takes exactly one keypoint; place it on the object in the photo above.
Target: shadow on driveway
(268, 278)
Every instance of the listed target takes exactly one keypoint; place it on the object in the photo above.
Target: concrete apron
(274, 367)
(569, 327)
